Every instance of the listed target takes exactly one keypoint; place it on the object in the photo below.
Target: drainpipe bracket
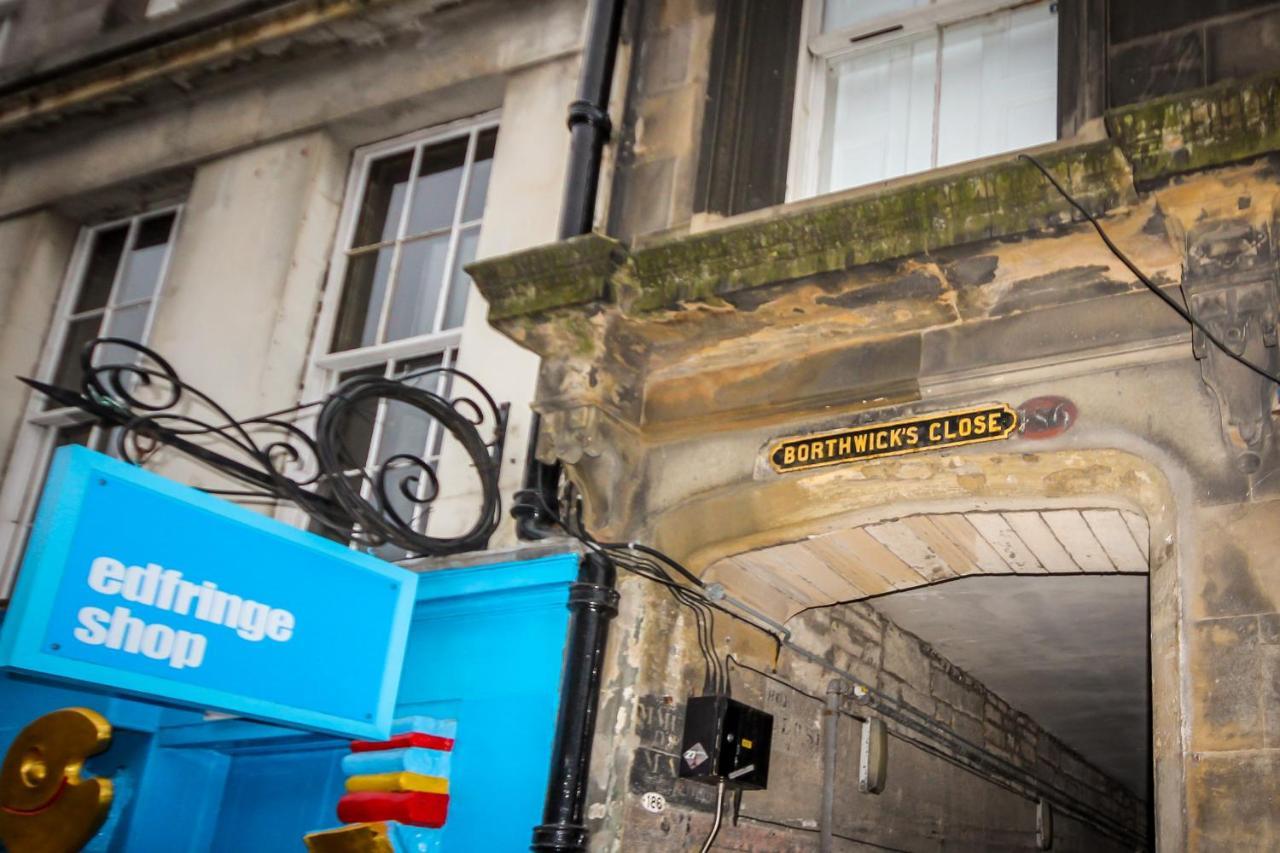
(585, 112)
(560, 837)
(594, 596)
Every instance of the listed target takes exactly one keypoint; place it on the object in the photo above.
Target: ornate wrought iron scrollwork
(135, 390)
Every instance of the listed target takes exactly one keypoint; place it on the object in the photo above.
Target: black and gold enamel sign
(930, 432)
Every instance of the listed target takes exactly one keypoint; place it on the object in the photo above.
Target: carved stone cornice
(917, 215)
(1231, 287)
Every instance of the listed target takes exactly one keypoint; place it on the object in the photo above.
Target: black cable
(799, 828)
(1182, 312)
(778, 680)
(716, 681)
(639, 560)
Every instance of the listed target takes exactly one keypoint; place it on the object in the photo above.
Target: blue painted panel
(487, 649)
(125, 584)
(272, 799)
(426, 762)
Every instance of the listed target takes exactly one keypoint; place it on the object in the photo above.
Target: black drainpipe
(593, 601)
(589, 129)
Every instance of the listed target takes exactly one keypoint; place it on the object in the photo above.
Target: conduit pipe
(830, 731)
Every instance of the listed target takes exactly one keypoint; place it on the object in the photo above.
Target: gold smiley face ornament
(45, 804)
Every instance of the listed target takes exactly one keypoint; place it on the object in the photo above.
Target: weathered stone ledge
(1162, 138)
(934, 212)
(1197, 130)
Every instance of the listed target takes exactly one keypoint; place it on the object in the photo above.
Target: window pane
(363, 292)
(326, 490)
(79, 333)
(435, 192)
(356, 437)
(128, 323)
(881, 123)
(154, 231)
(845, 13)
(404, 428)
(379, 216)
(999, 84)
(460, 283)
(73, 434)
(100, 271)
(142, 267)
(415, 300)
(478, 187)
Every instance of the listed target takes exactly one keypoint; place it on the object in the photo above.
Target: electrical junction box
(725, 740)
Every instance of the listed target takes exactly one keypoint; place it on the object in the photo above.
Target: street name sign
(872, 441)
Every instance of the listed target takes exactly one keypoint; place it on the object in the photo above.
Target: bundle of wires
(653, 565)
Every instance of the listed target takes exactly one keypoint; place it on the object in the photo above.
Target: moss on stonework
(1180, 133)
(980, 204)
(571, 272)
(1201, 129)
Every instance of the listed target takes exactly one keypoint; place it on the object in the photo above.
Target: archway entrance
(1012, 599)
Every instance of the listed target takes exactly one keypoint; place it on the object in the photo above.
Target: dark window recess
(123, 12)
(1133, 19)
(746, 131)
(1161, 48)
(1082, 63)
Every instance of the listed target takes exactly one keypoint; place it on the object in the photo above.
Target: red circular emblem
(1046, 417)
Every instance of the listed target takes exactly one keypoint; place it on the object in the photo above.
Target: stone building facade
(258, 122)
(723, 313)
(743, 288)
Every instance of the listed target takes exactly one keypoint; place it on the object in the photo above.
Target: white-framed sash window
(894, 87)
(111, 289)
(398, 291)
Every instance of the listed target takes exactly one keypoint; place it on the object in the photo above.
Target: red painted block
(444, 744)
(415, 809)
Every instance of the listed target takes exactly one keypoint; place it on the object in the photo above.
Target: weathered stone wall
(657, 165)
(1161, 48)
(929, 803)
(33, 253)
(260, 148)
(672, 364)
(1233, 639)
(50, 25)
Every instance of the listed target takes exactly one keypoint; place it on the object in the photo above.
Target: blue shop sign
(135, 583)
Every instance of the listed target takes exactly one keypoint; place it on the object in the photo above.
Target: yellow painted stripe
(401, 781)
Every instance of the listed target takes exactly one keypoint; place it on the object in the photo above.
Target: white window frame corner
(37, 428)
(819, 50)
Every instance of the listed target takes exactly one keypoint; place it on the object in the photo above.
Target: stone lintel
(1190, 131)
(573, 272)
(915, 216)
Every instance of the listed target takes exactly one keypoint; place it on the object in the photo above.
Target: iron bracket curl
(141, 396)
